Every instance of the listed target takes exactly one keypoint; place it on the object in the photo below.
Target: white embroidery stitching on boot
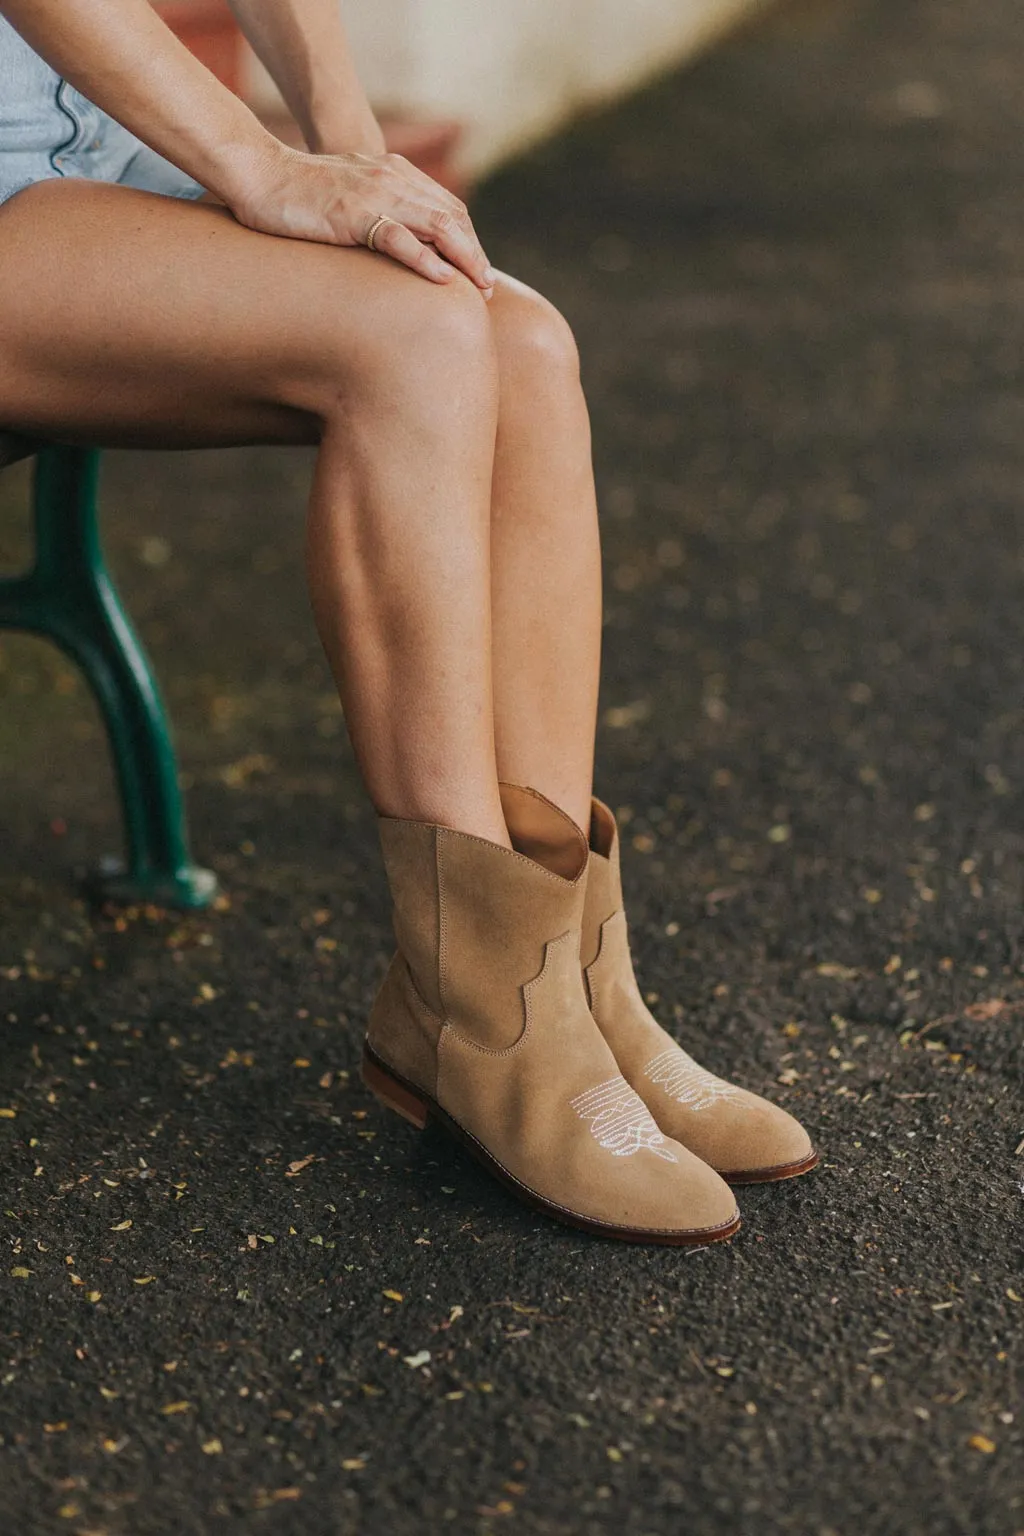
(687, 1082)
(620, 1120)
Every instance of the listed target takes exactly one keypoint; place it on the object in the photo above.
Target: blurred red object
(208, 29)
(430, 146)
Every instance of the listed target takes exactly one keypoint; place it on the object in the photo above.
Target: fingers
(436, 216)
(396, 240)
(455, 237)
(425, 227)
(421, 237)
(445, 202)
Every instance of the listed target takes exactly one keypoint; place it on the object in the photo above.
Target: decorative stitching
(620, 1120)
(688, 1083)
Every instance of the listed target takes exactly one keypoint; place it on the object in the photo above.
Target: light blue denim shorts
(49, 130)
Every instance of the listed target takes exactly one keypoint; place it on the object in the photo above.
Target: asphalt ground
(237, 1297)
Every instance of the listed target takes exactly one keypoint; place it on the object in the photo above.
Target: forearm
(303, 45)
(122, 56)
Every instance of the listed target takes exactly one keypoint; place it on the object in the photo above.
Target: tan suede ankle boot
(747, 1139)
(482, 1025)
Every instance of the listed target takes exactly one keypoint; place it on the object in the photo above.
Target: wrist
(241, 168)
(355, 136)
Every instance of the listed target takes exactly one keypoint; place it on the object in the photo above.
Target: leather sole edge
(772, 1175)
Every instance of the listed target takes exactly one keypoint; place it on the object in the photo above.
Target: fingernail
(490, 276)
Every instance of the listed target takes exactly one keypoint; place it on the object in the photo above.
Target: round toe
(674, 1198)
(746, 1139)
(776, 1147)
(698, 1202)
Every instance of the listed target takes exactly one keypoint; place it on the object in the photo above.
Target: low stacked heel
(393, 1094)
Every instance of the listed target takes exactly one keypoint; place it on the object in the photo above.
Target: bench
(69, 597)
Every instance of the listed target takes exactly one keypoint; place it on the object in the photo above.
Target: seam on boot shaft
(447, 888)
(510, 793)
(527, 989)
(603, 900)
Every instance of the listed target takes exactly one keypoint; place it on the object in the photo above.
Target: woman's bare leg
(132, 319)
(546, 562)
(398, 562)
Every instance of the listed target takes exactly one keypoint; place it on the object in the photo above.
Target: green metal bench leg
(69, 597)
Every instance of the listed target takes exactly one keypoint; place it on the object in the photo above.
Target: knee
(534, 341)
(439, 325)
(425, 345)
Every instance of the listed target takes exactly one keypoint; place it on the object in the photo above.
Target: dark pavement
(795, 272)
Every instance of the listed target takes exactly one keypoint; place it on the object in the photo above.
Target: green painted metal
(69, 597)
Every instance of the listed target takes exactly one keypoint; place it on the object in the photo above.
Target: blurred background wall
(511, 70)
(505, 71)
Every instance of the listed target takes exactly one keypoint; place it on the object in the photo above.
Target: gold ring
(374, 230)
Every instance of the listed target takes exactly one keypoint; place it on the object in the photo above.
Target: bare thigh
(127, 318)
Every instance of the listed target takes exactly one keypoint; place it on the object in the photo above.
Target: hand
(336, 199)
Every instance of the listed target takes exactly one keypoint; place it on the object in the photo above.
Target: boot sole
(397, 1094)
(773, 1175)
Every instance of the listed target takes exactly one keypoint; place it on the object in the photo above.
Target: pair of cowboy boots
(510, 1015)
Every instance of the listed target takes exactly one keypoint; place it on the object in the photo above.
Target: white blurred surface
(513, 70)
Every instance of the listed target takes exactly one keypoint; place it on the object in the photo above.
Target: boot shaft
(604, 881)
(473, 919)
